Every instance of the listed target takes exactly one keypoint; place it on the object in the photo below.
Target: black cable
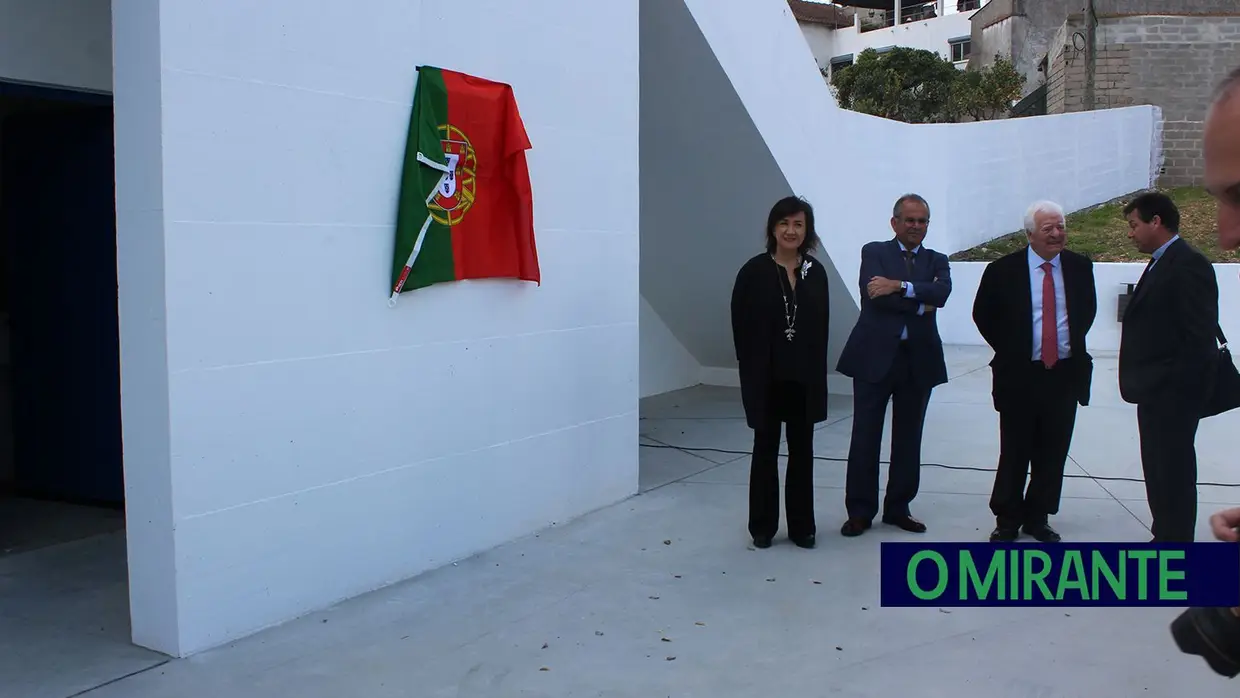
(934, 465)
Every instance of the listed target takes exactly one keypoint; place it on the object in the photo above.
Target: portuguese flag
(466, 208)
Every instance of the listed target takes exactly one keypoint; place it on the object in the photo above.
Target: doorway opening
(63, 567)
(60, 440)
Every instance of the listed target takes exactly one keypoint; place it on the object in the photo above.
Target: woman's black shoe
(762, 542)
(806, 542)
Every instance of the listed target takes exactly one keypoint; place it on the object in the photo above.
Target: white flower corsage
(805, 265)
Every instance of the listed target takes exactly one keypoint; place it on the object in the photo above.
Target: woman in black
(780, 316)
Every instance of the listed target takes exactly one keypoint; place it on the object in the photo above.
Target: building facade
(1172, 59)
(1020, 31)
(837, 33)
(291, 441)
(1166, 53)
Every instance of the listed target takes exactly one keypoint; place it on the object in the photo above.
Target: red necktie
(1050, 337)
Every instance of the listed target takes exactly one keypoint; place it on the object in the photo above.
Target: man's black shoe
(854, 527)
(1004, 534)
(1043, 533)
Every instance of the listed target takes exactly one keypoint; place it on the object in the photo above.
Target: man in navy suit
(895, 355)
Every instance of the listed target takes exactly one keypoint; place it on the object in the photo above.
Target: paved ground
(661, 595)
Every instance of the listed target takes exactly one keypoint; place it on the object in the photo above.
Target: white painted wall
(1000, 167)
(63, 43)
(929, 35)
(956, 320)
(321, 444)
(700, 225)
(665, 363)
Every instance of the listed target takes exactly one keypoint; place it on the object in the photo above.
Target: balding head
(1222, 158)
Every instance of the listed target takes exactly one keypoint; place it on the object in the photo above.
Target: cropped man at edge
(1168, 360)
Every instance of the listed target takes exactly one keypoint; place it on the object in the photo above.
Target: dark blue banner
(1061, 574)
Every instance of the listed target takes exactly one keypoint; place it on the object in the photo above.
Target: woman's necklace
(790, 311)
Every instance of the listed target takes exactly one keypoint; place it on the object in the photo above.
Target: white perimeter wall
(66, 43)
(956, 320)
(290, 440)
(978, 177)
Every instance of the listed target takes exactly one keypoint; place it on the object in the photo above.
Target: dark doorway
(58, 287)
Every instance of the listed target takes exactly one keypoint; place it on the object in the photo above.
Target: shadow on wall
(708, 181)
(734, 115)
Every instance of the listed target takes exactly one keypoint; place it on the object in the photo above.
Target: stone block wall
(1173, 62)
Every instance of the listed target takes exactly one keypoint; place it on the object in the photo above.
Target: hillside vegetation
(1101, 233)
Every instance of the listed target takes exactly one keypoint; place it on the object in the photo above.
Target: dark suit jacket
(875, 339)
(1003, 313)
(758, 321)
(1168, 353)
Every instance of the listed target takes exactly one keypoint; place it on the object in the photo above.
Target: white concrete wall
(321, 444)
(1000, 167)
(665, 363)
(63, 43)
(699, 225)
(930, 35)
(956, 320)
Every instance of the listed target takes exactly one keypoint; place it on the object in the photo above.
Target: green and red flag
(466, 207)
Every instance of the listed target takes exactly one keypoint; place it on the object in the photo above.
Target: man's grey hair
(915, 198)
(1040, 207)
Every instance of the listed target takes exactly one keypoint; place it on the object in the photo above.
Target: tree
(920, 87)
(987, 93)
(905, 84)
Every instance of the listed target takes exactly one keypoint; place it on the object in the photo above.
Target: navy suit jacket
(875, 339)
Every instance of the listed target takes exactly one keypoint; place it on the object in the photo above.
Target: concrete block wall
(1172, 62)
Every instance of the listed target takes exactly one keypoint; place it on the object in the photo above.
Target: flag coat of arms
(465, 209)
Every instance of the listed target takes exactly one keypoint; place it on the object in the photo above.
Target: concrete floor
(28, 524)
(661, 595)
(64, 606)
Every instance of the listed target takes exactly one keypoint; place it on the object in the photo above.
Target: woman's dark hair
(790, 206)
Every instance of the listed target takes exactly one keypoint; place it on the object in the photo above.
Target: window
(967, 5)
(840, 62)
(960, 48)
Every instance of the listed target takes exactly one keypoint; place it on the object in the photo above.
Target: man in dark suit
(1168, 358)
(894, 354)
(1034, 308)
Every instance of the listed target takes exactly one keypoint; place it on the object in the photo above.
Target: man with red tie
(1034, 308)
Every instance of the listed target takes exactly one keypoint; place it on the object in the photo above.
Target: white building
(197, 209)
(289, 440)
(837, 32)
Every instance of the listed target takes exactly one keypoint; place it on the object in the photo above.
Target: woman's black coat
(758, 321)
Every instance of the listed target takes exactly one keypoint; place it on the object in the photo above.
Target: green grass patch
(1101, 233)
